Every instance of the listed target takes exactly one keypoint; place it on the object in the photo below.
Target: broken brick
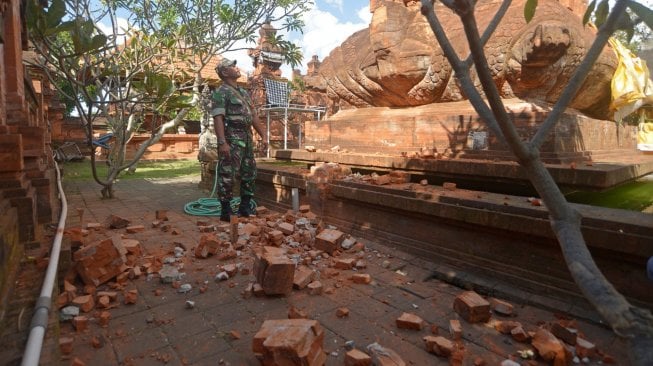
(161, 215)
(290, 342)
(342, 312)
(585, 348)
(286, 228)
(361, 278)
(472, 307)
(505, 327)
(66, 345)
(315, 288)
(501, 307)
(135, 229)
(328, 240)
(549, 347)
(99, 262)
(294, 313)
(519, 334)
(409, 321)
(357, 358)
(85, 303)
(274, 271)
(303, 276)
(80, 323)
(439, 345)
(455, 329)
(346, 263)
(130, 296)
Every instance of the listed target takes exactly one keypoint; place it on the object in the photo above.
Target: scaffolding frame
(277, 97)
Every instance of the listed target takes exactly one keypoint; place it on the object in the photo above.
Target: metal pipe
(42, 309)
(268, 134)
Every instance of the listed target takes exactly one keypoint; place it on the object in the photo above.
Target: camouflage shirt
(236, 107)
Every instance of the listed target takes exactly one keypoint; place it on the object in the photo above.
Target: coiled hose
(211, 206)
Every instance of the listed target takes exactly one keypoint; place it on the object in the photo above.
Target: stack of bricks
(290, 342)
(274, 271)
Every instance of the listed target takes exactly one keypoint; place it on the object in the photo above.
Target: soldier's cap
(224, 63)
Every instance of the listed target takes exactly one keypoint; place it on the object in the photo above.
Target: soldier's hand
(224, 150)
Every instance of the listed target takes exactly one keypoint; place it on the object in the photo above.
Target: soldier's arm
(258, 126)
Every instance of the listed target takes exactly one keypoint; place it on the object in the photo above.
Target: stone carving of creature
(396, 61)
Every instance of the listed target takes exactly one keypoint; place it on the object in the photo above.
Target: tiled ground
(160, 329)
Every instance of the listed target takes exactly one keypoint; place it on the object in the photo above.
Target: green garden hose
(211, 206)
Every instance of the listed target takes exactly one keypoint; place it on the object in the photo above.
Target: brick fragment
(505, 327)
(455, 329)
(131, 296)
(519, 334)
(286, 228)
(361, 278)
(290, 342)
(274, 271)
(104, 318)
(80, 323)
(439, 345)
(329, 240)
(549, 347)
(342, 312)
(472, 307)
(303, 276)
(77, 362)
(99, 262)
(304, 208)
(133, 229)
(294, 313)
(410, 321)
(357, 358)
(85, 303)
(315, 288)
(384, 356)
(345, 263)
(501, 307)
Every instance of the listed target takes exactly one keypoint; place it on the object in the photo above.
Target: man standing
(233, 117)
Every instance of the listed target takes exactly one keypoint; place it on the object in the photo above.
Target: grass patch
(145, 169)
(635, 196)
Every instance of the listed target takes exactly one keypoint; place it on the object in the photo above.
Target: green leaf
(601, 13)
(643, 12)
(98, 41)
(588, 12)
(529, 10)
(56, 11)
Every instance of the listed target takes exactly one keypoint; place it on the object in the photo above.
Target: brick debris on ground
(151, 285)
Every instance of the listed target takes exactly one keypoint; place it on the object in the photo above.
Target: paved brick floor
(160, 329)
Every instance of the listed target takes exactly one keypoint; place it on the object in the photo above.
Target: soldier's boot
(243, 209)
(225, 211)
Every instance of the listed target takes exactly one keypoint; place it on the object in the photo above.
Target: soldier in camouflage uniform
(233, 117)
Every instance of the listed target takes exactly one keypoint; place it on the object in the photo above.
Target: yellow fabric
(632, 89)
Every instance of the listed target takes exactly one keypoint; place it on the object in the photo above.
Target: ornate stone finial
(313, 66)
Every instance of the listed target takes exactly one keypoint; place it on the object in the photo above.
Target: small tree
(156, 70)
(633, 323)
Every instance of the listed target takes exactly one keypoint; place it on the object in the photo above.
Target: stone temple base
(456, 130)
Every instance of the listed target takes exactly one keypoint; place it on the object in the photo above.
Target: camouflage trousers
(241, 166)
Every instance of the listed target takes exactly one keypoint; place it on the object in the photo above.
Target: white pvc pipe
(42, 309)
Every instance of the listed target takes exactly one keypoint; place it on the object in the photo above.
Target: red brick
(315, 288)
(439, 345)
(342, 312)
(472, 307)
(135, 229)
(361, 278)
(519, 334)
(303, 276)
(505, 327)
(549, 347)
(329, 240)
(66, 345)
(568, 335)
(161, 215)
(455, 329)
(99, 262)
(80, 323)
(346, 263)
(294, 313)
(501, 307)
(357, 358)
(290, 342)
(286, 228)
(410, 321)
(274, 271)
(85, 303)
